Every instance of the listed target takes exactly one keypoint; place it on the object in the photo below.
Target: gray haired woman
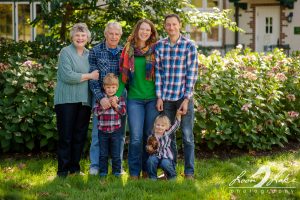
(72, 100)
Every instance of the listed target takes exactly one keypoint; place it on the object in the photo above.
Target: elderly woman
(72, 100)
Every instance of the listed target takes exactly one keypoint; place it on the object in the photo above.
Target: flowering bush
(246, 99)
(26, 108)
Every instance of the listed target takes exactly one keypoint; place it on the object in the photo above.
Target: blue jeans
(141, 116)
(110, 143)
(187, 125)
(95, 148)
(166, 164)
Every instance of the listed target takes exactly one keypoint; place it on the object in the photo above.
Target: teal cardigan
(71, 66)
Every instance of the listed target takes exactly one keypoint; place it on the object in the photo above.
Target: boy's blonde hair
(111, 79)
(164, 119)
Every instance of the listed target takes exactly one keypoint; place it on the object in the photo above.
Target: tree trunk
(65, 20)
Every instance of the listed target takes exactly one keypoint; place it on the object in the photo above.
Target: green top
(139, 88)
(71, 66)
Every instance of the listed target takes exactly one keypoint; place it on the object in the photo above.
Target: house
(15, 17)
(267, 23)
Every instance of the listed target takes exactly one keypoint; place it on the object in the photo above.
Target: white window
(213, 38)
(6, 20)
(15, 18)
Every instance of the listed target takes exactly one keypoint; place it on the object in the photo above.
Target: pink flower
(32, 64)
(215, 109)
(293, 114)
(280, 77)
(249, 75)
(206, 87)
(3, 67)
(28, 63)
(291, 97)
(246, 107)
(30, 87)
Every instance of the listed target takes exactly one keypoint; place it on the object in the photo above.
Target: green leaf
(8, 90)
(30, 144)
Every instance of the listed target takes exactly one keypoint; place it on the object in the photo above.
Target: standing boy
(109, 126)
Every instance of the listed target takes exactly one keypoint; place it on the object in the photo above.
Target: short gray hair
(80, 27)
(116, 25)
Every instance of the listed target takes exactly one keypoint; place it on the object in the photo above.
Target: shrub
(247, 99)
(26, 108)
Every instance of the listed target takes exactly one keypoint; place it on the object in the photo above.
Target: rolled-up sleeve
(65, 71)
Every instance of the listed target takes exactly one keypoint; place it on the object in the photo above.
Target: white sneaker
(94, 171)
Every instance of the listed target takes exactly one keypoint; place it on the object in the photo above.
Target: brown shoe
(134, 177)
(189, 177)
(145, 175)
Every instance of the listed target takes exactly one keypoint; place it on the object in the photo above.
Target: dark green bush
(27, 119)
(245, 99)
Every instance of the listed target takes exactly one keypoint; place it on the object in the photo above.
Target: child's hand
(114, 101)
(178, 115)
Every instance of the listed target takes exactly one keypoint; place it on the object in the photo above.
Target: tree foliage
(63, 14)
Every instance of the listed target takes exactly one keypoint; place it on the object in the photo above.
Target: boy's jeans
(110, 143)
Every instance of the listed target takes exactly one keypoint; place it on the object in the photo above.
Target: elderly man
(104, 57)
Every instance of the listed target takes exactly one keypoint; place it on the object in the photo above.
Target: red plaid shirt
(109, 120)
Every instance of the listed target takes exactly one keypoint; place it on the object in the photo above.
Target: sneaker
(93, 171)
(123, 172)
(77, 173)
(162, 177)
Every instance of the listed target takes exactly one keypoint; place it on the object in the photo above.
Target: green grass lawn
(34, 178)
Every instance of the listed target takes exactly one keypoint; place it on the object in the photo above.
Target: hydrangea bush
(247, 99)
(27, 119)
(244, 99)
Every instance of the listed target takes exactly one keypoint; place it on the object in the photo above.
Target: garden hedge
(244, 99)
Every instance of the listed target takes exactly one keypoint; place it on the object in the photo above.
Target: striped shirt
(164, 149)
(176, 69)
(106, 61)
(109, 120)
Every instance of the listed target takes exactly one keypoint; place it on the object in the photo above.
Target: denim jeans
(141, 116)
(187, 125)
(72, 125)
(95, 148)
(110, 143)
(166, 164)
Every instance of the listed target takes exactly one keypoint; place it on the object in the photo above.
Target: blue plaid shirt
(103, 59)
(176, 69)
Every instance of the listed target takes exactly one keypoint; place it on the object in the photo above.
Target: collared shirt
(176, 69)
(103, 59)
(164, 149)
(109, 120)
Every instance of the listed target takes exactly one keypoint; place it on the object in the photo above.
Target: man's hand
(160, 104)
(105, 103)
(184, 107)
